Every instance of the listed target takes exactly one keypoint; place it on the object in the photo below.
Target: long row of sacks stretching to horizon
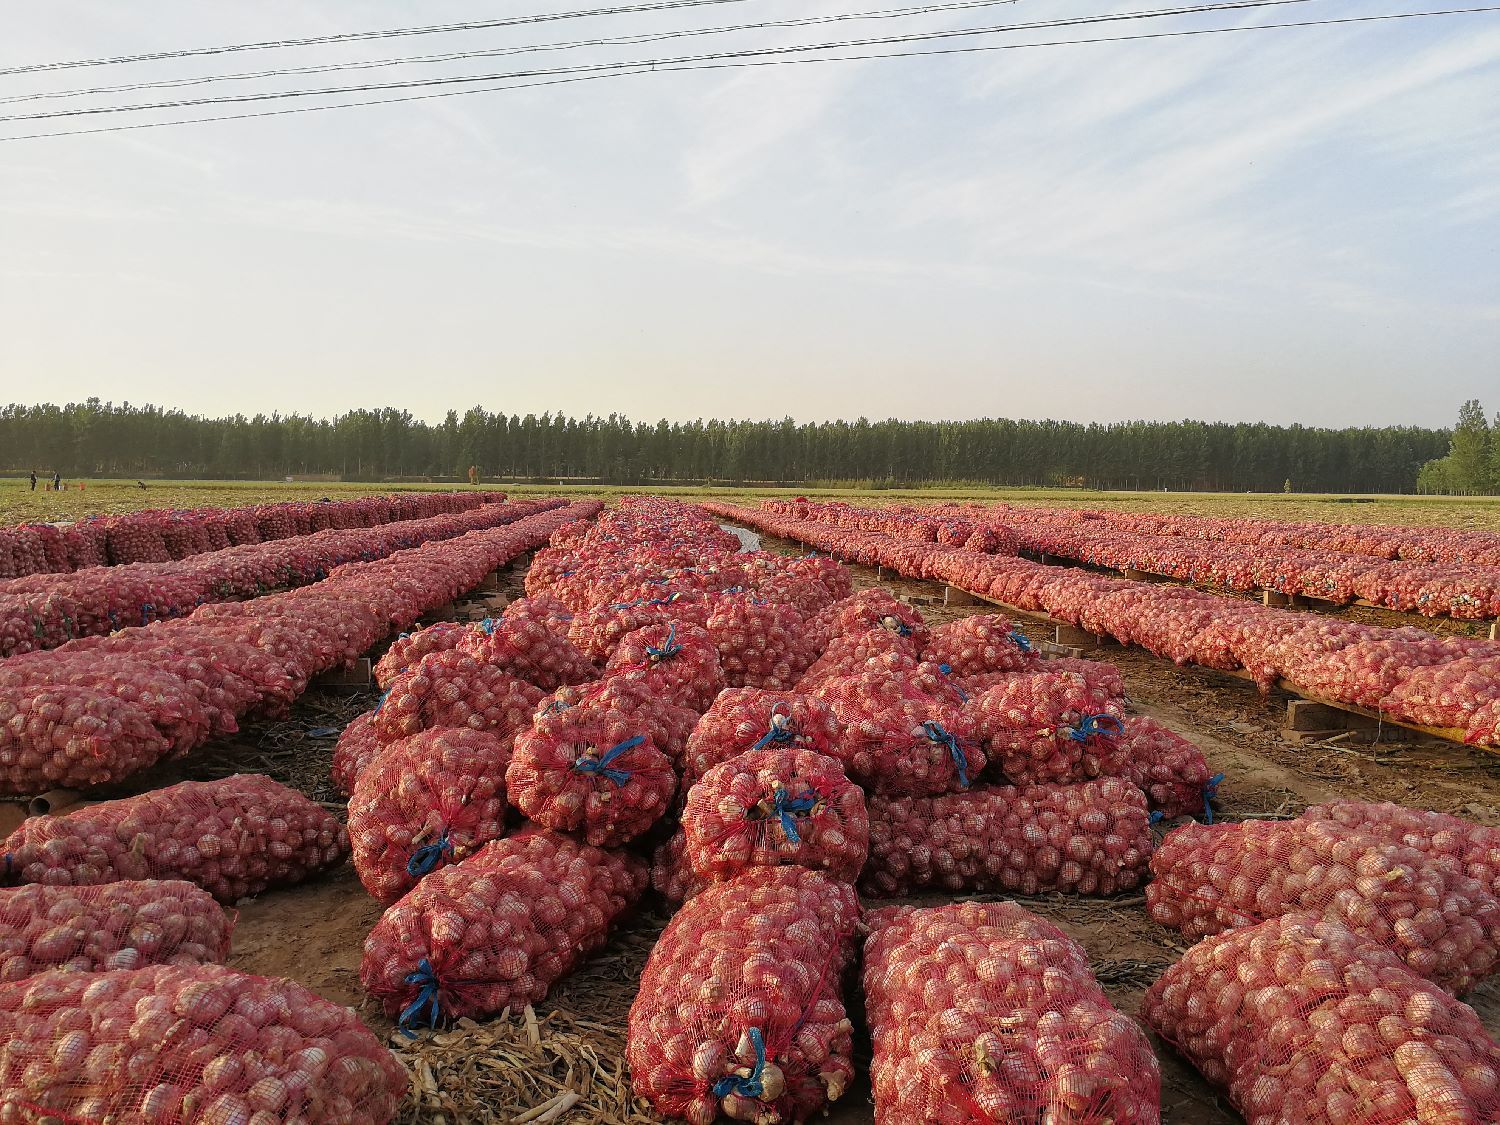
(46, 610)
(98, 709)
(1448, 683)
(152, 535)
(1467, 588)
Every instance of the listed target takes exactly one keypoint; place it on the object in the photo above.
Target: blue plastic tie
(947, 670)
(322, 732)
(789, 808)
(146, 610)
(1021, 640)
(425, 859)
(777, 732)
(426, 998)
(487, 626)
(601, 765)
(750, 1085)
(1157, 817)
(1091, 726)
(383, 697)
(670, 648)
(934, 730)
(1210, 791)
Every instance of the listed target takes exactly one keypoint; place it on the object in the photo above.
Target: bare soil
(314, 933)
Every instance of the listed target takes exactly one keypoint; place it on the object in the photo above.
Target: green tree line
(102, 439)
(1472, 464)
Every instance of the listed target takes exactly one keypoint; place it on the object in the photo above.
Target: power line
(352, 36)
(493, 52)
(641, 69)
(676, 61)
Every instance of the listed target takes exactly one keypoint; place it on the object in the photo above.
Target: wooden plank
(358, 676)
(1053, 649)
(1081, 638)
(1447, 734)
(490, 582)
(952, 595)
(1305, 715)
(1495, 630)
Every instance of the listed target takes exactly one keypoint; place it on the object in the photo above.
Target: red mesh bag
(832, 574)
(1051, 727)
(739, 1009)
(1456, 845)
(497, 930)
(544, 609)
(234, 837)
(197, 1043)
(1100, 676)
(667, 725)
(985, 642)
(1169, 768)
(173, 705)
(761, 644)
(125, 925)
(876, 608)
(212, 672)
(592, 771)
(357, 747)
(36, 621)
(774, 582)
(678, 662)
(857, 653)
(775, 806)
(429, 801)
(269, 655)
(1300, 1019)
(452, 689)
(1207, 879)
(87, 543)
(671, 873)
(899, 739)
(597, 630)
(527, 649)
(981, 1011)
(1091, 839)
(409, 648)
(132, 539)
(744, 719)
(55, 735)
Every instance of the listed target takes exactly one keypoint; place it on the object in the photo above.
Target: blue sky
(1295, 225)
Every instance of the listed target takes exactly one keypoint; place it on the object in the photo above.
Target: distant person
(56, 482)
(33, 480)
(140, 484)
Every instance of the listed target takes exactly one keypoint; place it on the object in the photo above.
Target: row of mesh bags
(100, 708)
(162, 535)
(1436, 682)
(46, 610)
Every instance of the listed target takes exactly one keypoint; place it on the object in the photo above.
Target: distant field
(18, 505)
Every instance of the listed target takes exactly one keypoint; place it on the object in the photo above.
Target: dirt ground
(495, 1071)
